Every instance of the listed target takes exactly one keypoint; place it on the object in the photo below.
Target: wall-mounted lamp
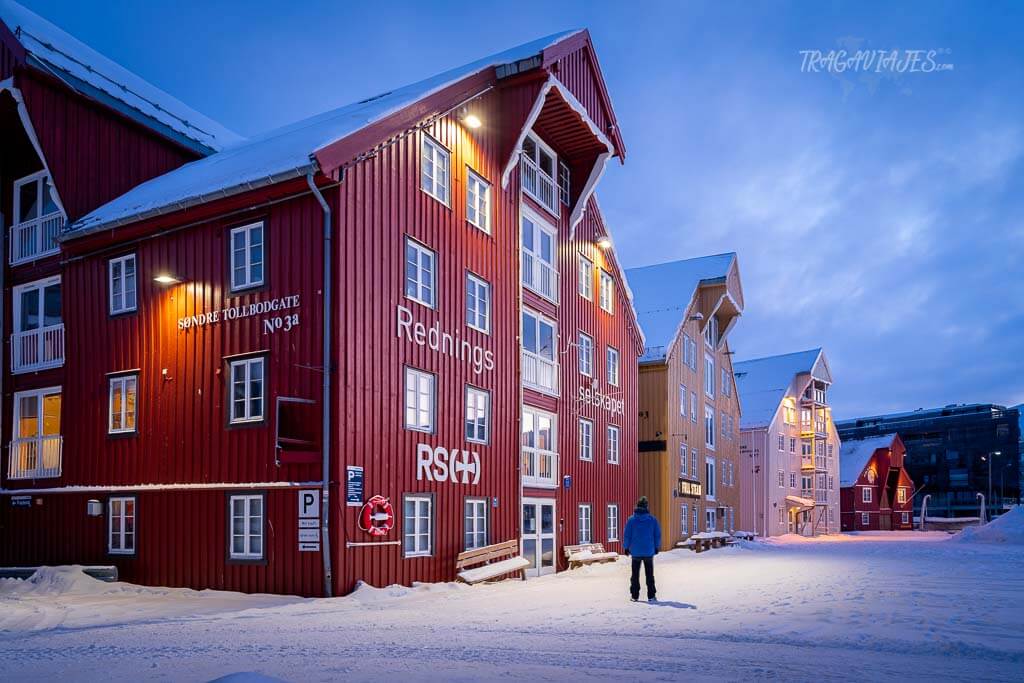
(93, 508)
(472, 121)
(603, 241)
(166, 279)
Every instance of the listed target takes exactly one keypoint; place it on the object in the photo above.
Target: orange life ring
(377, 517)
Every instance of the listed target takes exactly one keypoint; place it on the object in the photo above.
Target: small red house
(877, 492)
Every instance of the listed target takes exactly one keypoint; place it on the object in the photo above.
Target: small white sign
(309, 523)
(309, 547)
(309, 504)
(309, 535)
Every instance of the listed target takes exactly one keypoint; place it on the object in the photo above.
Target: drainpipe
(924, 510)
(325, 434)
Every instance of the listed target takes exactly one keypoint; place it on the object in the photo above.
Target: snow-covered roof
(283, 153)
(762, 383)
(854, 456)
(87, 70)
(663, 292)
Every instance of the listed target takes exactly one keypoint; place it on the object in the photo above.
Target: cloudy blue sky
(879, 217)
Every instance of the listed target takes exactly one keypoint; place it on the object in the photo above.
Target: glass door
(539, 535)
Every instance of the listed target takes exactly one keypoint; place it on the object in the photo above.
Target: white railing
(540, 373)
(540, 276)
(540, 468)
(37, 457)
(539, 185)
(37, 349)
(820, 496)
(35, 238)
(820, 463)
(806, 461)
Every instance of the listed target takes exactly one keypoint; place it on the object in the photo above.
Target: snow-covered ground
(879, 606)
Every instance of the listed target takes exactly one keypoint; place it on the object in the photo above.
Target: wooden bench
(491, 562)
(588, 553)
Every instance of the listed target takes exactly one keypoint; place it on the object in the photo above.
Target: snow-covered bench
(706, 540)
(491, 562)
(743, 535)
(588, 553)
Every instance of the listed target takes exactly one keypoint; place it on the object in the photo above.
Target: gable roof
(763, 382)
(286, 152)
(854, 456)
(663, 293)
(84, 69)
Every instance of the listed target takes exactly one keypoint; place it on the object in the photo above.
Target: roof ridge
(778, 355)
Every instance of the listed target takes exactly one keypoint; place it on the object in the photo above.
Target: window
(420, 273)
(864, 519)
(38, 219)
(686, 351)
(38, 339)
(901, 495)
(792, 480)
(478, 201)
(709, 376)
(586, 278)
(36, 446)
(122, 284)
(709, 426)
(586, 355)
(478, 414)
(539, 444)
(711, 332)
(538, 173)
(711, 519)
(865, 495)
(709, 477)
(792, 444)
(613, 444)
(123, 396)
(246, 527)
(693, 463)
(584, 524)
(682, 400)
(612, 358)
(725, 422)
(475, 511)
(434, 167)
(246, 256)
(563, 183)
(586, 440)
(693, 407)
(540, 371)
(725, 473)
(732, 478)
(538, 255)
(905, 518)
(696, 514)
(121, 526)
(693, 354)
(478, 303)
(613, 522)
(607, 292)
(684, 513)
(805, 447)
(417, 525)
(726, 387)
(246, 389)
(782, 479)
(419, 400)
(830, 450)
(683, 460)
(831, 483)
(789, 415)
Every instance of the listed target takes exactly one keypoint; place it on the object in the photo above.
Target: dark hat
(642, 503)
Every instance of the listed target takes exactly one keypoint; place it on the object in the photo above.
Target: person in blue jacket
(641, 540)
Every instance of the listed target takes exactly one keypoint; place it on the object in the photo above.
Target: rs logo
(438, 464)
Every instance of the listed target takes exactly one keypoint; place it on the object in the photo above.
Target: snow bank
(247, 677)
(1007, 528)
(52, 581)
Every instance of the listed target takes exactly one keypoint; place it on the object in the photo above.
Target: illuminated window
(419, 400)
(246, 542)
(121, 526)
(247, 256)
(122, 284)
(478, 415)
(478, 303)
(420, 273)
(478, 201)
(122, 401)
(901, 495)
(586, 278)
(586, 440)
(246, 376)
(434, 169)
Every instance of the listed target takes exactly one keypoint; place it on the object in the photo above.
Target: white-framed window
(247, 256)
(709, 477)
(696, 516)
(905, 518)
(539, 444)
(832, 514)
(475, 523)
(37, 341)
(613, 444)
(586, 439)
(693, 407)
(584, 523)
(38, 219)
(782, 442)
(709, 426)
(123, 396)
(417, 525)
(121, 525)
(682, 400)
(607, 292)
(865, 519)
(782, 515)
(831, 483)
(865, 494)
(478, 303)
(806, 448)
(782, 479)
(246, 538)
(563, 183)
(478, 415)
(586, 278)
(686, 351)
(684, 518)
(709, 376)
(478, 201)
(586, 355)
(693, 463)
(540, 369)
(122, 282)
(732, 472)
(725, 472)
(711, 332)
(830, 450)
(613, 522)
(710, 519)
(540, 173)
(789, 415)
(684, 458)
(901, 495)
(792, 480)
(792, 444)
(726, 385)
(539, 240)
(420, 393)
(247, 389)
(36, 447)
(435, 166)
(612, 362)
(420, 273)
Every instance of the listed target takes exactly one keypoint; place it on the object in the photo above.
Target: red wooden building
(876, 491)
(412, 297)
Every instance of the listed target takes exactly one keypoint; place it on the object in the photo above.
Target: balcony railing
(539, 185)
(540, 373)
(37, 457)
(540, 468)
(37, 349)
(35, 238)
(540, 276)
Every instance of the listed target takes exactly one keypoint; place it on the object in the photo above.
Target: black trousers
(634, 580)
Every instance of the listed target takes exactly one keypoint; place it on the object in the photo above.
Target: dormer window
(37, 218)
(540, 173)
(711, 332)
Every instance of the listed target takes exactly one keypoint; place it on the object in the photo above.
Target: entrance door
(885, 520)
(539, 535)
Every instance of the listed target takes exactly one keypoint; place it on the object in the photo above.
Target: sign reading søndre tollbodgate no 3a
(277, 314)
